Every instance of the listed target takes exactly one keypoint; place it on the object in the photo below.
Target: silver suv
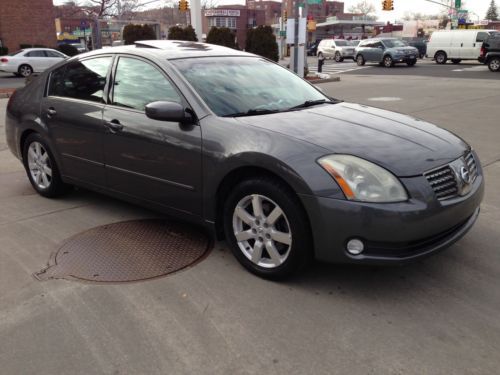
(386, 52)
(338, 49)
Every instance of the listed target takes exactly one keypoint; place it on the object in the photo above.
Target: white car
(30, 60)
(456, 45)
(339, 49)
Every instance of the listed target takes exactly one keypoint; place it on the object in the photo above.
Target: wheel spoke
(38, 151)
(244, 215)
(273, 253)
(47, 170)
(45, 180)
(257, 251)
(32, 166)
(45, 156)
(274, 215)
(284, 238)
(37, 177)
(257, 206)
(32, 152)
(244, 235)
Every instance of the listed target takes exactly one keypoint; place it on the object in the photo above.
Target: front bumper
(393, 233)
(405, 59)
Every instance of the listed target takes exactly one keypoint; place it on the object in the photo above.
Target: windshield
(392, 43)
(354, 42)
(16, 53)
(237, 85)
(341, 43)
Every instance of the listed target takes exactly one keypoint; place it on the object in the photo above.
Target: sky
(479, 7)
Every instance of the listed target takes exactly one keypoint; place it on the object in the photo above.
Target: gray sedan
(246, 148)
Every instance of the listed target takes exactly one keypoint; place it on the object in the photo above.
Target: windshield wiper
(253, 112)
(310, 103)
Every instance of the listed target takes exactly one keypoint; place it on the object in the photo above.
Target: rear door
(37, 60)
(481, 36)
(157, 161)
(72, 111)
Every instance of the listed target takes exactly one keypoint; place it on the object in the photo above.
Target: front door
(72, 111)
(158, 161)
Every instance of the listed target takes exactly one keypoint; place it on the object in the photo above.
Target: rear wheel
(360, 60)
(267, 228)
(440, 57)
(494, 64)
(411, 63)
(388, 62)
(456, 61)
(338, 57)
(41, 167)
(25, 70)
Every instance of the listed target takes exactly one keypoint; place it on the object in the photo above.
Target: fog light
(355, 247)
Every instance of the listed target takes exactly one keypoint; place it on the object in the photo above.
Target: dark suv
(490, 52)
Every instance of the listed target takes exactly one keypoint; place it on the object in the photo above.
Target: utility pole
(196, 18)
(296, 38)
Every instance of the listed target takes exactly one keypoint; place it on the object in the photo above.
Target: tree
(492, 13)
(364, 7)
(179, 33)
(133, 33)
(221, 36)
(262, 41)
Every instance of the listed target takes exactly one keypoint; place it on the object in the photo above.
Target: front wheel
(41, 167)
(388, 62)
(267, 228)
(360, 60)
(494, 64)
(338, 57)
(25, 70)
(440, 58)
(411, 63)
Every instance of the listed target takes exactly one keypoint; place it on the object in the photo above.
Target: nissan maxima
(241, 145)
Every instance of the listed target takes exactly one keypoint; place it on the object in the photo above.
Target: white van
(456, 45)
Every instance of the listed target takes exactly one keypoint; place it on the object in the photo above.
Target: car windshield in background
(341, 43)
(16, 53)
(246, 85)
(392, 43)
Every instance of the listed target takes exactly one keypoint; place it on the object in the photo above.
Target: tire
(388, 61)
(456, 61)
(290, 251)
(338, 57)
(360, 60)
(25, 70)
(440, 57)
(38, 161)
(411, 63)
(494, 64)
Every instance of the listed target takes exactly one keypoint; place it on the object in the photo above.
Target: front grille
(443, 182)
(471, 166)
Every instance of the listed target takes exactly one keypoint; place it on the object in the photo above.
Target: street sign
(282, 33)
(312, 2)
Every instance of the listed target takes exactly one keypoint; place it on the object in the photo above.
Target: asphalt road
(9, 81)
(437, 316)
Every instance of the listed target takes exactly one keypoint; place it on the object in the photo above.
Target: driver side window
(138, 83)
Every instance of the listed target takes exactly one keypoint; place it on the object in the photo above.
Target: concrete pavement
(438, 316)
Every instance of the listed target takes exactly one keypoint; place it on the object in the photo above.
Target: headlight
(363, 181)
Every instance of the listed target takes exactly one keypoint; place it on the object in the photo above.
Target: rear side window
(482, 36)
(53, 54)
(81, 79)
(36, 54)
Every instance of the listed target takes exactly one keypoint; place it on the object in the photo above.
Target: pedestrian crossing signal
(183, 5)
(388, 5)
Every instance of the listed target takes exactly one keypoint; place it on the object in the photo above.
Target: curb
(326, 80)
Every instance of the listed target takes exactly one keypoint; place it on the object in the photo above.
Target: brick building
(27, 22)
(238, 18)
(272, 9)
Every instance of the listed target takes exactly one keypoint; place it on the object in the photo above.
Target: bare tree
(364, 7)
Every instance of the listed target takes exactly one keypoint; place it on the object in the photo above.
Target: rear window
(16, 53)
(341, 43)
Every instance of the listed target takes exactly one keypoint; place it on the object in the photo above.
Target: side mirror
(168, 111)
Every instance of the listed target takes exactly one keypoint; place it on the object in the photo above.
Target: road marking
(385, 99)
(336, 68)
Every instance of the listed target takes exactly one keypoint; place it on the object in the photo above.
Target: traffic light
(285, 16)
(388, 5)
(183, 5)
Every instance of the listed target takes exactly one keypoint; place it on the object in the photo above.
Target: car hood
(402, 144)
(406, 49)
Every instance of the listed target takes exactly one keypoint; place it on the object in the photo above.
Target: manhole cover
(127, 251)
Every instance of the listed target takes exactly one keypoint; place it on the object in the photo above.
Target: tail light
(483, 51)
(4, 60)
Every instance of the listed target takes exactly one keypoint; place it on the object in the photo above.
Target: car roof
(38, 49)
(173, 49)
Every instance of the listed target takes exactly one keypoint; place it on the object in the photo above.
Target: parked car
(418, 43)
(243, 146)
(456, 45)
(312, 50)
(30, 60)
(354, 43)
(338, 49)
(490, 52)
(386, 52)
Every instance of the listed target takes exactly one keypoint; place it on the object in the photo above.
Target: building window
(229, 22)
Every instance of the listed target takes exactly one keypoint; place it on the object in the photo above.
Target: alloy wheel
(39, 165)
(262, 231)
(388, 61)
(25, 71)
(494, 65)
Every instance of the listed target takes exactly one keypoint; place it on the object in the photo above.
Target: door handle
(51, 112)
(114, 125)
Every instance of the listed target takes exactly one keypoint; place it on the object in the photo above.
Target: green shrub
(68, 49)
(221, 36)
(179, 33)
(262, 41)
(133, 33)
